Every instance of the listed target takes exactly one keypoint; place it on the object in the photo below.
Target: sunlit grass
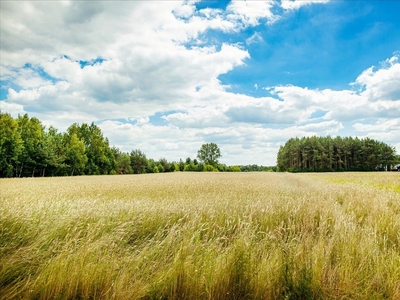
(201, 236)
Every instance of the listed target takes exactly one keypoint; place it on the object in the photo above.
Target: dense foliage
(27, 148)
(324, 154)
(209, 153)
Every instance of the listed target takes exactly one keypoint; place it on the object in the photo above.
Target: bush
(190, 168)
(234, 169)
(209, 168)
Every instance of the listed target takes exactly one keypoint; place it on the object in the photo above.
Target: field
(201, 236)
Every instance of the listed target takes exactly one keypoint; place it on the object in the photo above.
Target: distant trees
(257, 168)
(32, 158)
(75, 157)
(334, 154)
(56, 152)
(122, 162)
(28, 148)
(100, 158)
(138, 162)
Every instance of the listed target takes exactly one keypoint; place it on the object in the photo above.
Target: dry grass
(201, 236)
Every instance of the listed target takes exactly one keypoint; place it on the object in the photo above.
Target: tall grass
(201, 236)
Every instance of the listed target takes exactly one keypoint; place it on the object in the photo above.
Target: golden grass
(201, 236)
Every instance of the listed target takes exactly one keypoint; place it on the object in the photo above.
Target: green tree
(75, 154)
(159, 168)
(181, 165)
(234, 169)
(97, 149)
(338, 154)
(209, 154)
(55, 153)
(32, 157)
(138, 161)
(166, 166)
(10, 145)
(122, 161)
(191, 168)
(175, 167)
(151, 166)
(209, 168)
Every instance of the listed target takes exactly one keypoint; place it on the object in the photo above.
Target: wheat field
(201, 236)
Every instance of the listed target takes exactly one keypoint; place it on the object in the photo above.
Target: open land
(201, 236)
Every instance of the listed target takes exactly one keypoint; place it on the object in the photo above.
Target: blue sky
(168, 76)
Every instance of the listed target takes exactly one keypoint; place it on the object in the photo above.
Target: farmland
(201, 236)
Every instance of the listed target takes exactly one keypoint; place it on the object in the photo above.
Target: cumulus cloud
(381, 84)
(144, 67)
(381, 129)
(378, 97)
(249, 13)
(380, 125)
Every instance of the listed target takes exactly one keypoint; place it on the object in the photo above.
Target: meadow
(201, 236)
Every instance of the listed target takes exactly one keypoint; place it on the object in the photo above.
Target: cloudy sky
(167, 76)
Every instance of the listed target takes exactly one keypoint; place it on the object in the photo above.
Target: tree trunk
(20, 171)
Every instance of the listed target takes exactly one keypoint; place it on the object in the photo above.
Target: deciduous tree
(209, 154)
(138, 161)
(10, 145)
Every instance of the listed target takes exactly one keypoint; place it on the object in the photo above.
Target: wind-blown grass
(201, 236)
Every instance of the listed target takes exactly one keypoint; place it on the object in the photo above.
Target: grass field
(201, 236)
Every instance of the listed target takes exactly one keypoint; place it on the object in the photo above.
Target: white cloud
(255, 38)
(378, 99)
(382, 129)
(249, 13)
(296, 4)
(12, 108)
(383, 84)
(184, 11)
(151, 66)
(380, 125)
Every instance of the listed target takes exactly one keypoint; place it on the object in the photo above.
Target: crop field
(201, 236)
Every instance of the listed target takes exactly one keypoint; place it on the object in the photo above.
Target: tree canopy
(209, 154)
(334, 154)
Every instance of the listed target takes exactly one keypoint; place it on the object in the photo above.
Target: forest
(29, 149)
(327, 154)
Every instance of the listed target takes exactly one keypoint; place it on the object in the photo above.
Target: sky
(166, 77)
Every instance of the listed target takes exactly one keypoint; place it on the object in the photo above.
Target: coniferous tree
(339, 154)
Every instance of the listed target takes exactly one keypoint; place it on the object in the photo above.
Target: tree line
(29, 149)
(326, 154)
